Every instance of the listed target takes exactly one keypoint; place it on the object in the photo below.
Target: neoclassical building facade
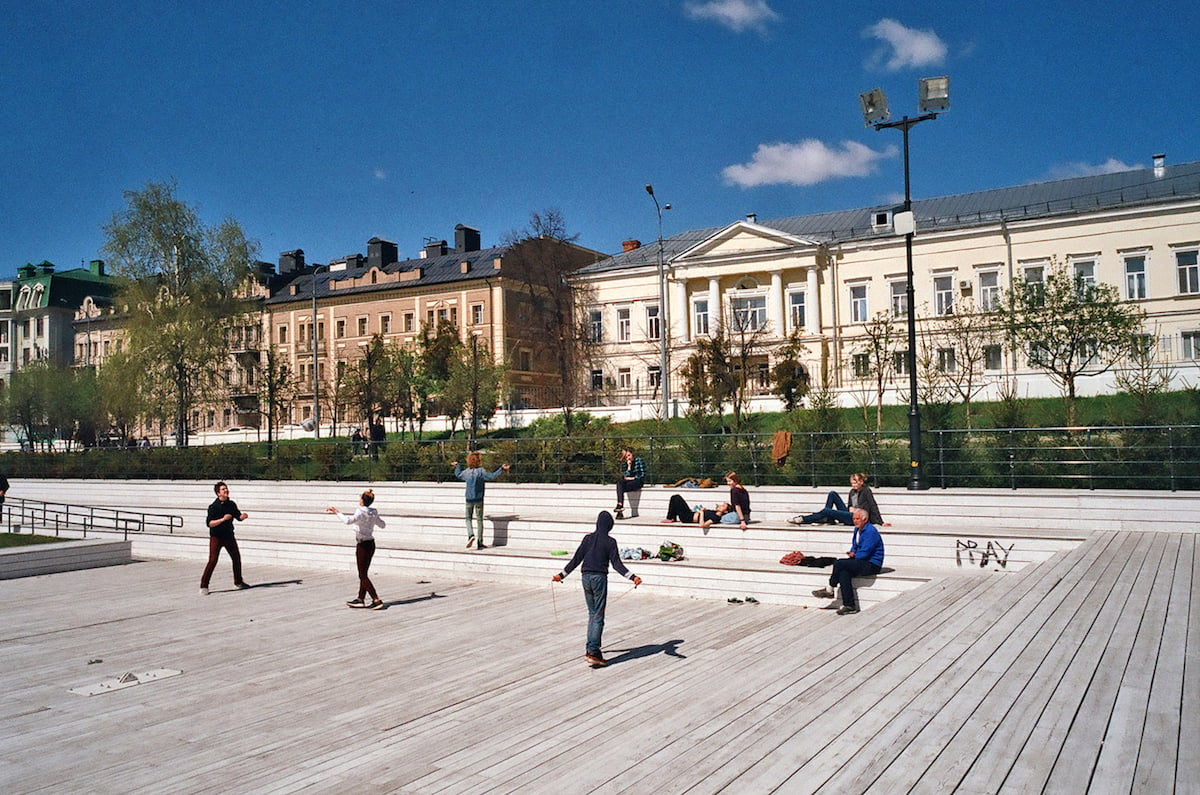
(823, 279)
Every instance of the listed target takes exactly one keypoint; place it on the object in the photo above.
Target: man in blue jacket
(865, 559)
(596, 552)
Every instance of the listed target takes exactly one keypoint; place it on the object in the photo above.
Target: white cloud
(380, 174)
(1069, 170)
(904, 47)
(805, 163)
(737, 15)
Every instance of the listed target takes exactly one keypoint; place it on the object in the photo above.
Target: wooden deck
(1078, 674)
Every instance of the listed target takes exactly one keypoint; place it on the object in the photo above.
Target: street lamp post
(316, 406)
(474, 388)
(934, 97)
(664, 312)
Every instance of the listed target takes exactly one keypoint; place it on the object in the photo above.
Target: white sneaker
(204, 592)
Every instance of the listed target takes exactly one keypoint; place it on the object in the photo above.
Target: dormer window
(882, 220)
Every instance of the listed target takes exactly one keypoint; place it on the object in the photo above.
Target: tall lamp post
(933, 98)
(316, 407)
(664, 312)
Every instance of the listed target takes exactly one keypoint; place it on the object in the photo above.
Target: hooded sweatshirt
(598, 550)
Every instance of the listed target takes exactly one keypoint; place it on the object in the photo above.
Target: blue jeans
(595, 591)
(834, 509)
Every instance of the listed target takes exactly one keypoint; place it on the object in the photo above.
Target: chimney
(466, 239)
(630, 245)
(752, 218)
(96, 266)
(1160, 165)
(290, 261)
(433, 248)
(381, 253)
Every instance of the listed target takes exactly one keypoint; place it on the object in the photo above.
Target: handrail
(61, 516)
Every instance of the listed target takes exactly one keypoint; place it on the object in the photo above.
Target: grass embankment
(25, 540)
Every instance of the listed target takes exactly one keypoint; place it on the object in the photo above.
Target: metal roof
(1023, 202)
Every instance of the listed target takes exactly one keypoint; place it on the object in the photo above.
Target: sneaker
(595, 659)
(797, 519)
(377, 605)
(356, 603)
(203, 591)
(241, 586)
(847, 610)
(470, 542)
(618, 512)
(824, 593)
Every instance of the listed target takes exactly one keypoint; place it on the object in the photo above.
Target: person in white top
(364, 520)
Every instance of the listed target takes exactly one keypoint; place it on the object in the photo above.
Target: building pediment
(742, 241)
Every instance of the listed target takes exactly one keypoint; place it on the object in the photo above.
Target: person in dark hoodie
(596, 552)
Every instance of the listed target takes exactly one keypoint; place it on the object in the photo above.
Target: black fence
(1160, 457)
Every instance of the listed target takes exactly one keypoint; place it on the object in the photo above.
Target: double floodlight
(933, 97)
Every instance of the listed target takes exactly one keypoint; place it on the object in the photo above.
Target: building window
(862, 364)
(1035, 280)
(454, 316)
(899, 296)
(653, 323)
(410, 322)
(525, 359)
(989, 290)
(763, 375)
(700, 318)
(362, 327)
(946, 360)
(654, 376)
(476, 314)
(595, 325)
(283, 335)
(796, 310)
(1085, 277)
(1135, 277)
(341, 328)
(1189, 272)
(623, 324)
(943, 295)
(625, 378)
(597, 380)
(1191, 344)
(749, 312)
(385, 324)
(429, 318)
(993, 358)
(858, 303)
(900, 362)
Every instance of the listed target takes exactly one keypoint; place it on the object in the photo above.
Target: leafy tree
(410, 402)
(121, 393)
(368, 381)
(789, 377)
(180, 281)
(277, 388)
(29, 397)
(1068, 328)
(1145, 378)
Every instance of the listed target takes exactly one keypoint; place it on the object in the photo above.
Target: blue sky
(319, 125)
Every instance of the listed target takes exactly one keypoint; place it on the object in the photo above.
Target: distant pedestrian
(221, 515)
(597, 551)
(365, 519)
(633, 477)
(476, 477)
(3, 493)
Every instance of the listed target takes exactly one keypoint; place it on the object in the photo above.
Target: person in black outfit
(596, 552)
(678, 510)
(221, 514)
(3, 491)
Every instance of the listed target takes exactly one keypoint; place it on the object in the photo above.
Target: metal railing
(1136, 457)
(40, 516)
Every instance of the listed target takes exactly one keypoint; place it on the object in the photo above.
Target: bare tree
(954, 352)
(874, 360)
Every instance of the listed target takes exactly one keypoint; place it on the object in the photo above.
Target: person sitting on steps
(838, 512)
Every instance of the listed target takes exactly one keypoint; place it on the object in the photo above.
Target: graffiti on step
(991, 552)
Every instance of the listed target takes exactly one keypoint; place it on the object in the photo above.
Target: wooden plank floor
(1075, 675)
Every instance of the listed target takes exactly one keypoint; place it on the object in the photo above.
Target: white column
(680, 321)
(812, 304)
(714, 303)
(775, 310)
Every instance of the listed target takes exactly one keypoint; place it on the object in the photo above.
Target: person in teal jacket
(475, 476)
(865, 559)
